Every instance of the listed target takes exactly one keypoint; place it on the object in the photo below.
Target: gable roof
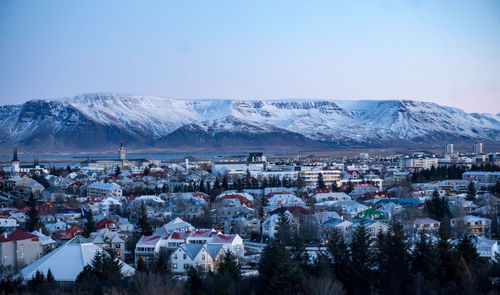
(192, 249)
(67, 261)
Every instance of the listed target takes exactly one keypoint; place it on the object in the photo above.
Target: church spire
(15, 159)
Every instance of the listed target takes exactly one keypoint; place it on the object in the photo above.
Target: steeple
(121, 152)
(15, 159)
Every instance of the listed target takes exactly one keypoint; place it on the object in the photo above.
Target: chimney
(5, 235)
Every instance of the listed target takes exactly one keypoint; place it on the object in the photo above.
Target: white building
(103, 190)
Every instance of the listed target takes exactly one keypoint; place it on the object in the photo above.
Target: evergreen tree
(90, 225)
(225, 184)
(394, 262)
(283, 226)
(437, 207)
(229, 267)
(425, 259)
(299, 253)
(50, 276)
(33, 220)
(467, 250)
(194, 282)
(117, 170)
(160, 265)
(362, 260)
(143, 225)
(448, 260)
(141, 266)
(320, 183)
(278, 273)
(341, 257)
(105, 267)
(201, 186)
(471, 192)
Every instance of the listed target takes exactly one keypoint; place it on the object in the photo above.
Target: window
(174, 266)
(117, 246)
(202, 257)
(184, 256)
(118, 254)
(175, 256)
(185, 266)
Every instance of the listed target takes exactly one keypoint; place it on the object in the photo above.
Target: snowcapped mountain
(98, 121)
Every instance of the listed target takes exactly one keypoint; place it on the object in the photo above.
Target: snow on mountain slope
(99, 118)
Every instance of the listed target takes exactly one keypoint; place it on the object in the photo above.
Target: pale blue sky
(447, 52)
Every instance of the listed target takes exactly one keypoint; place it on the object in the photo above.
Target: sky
(446, 52)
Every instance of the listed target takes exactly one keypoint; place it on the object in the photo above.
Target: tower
(15, 162)
(448, 149)
(121, 152)
(478, 148)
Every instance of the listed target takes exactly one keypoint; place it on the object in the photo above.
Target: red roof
(223, 239)
(200, 233)
(179, 235)
(270, 195)
(18, 235)
(104, 223)
(242, 199)
(70, 233)
(200, 195)
(148, 240)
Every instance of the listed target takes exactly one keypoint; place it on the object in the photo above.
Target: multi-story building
(478, 148)
(17, 250)
(448, 149)
(473, 225)
(104, 190)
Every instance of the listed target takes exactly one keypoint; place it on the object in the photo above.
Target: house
(322, 197)
(270, 226)
(327, 227)
(18, 249)
(229, 242)
(349, 209)
(486, 248)
(200, 236)
(419, 225)
(67, 261)
(370, 214)
(69, 234)
(202, 257)
(472, 224)
(146, 248)
(46, 242)
(108, 240)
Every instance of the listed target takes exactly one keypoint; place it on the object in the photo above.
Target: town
(189, 218)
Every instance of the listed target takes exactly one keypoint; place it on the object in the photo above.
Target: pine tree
(117, 170)
(160, 265)
(201, 186)
(467, 250)
(33, 220)
(225, 184)
(105, 267)
(141, 266)
(394, 262)
(50, 276)
(90, 225)
(448, 260)
(283, 226)
(362, 260)
(437, 207)
(229, 266)
(278, 273)
(320, 183)
(194, 282)
(471, 192)
(425, 258)
(143, 225)
(299, 253)
(340, 255)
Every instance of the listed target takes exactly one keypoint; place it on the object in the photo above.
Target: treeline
(449, 172)
(440, 173)
(385, 264)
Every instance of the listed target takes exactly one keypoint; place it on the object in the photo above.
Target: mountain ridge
(96, 121)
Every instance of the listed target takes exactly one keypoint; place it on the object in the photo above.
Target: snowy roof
(43, 239)
(192, 249)
(173, 225)
(67, 261)
(104, 186)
